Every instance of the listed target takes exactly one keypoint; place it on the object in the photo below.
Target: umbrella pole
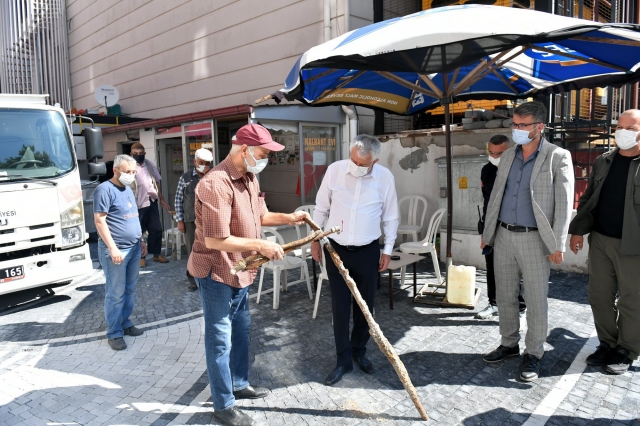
(447, 125)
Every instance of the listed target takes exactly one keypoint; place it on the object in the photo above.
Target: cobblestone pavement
(56, 366)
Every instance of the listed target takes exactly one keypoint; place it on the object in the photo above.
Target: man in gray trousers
(609, 212)
(526, 223)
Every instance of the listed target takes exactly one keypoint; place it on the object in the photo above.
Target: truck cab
(42, 230)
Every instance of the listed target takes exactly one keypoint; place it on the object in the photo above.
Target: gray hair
(535, 109)
(121, 159)
(366, 145)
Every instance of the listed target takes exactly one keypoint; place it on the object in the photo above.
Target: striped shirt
(227, 203)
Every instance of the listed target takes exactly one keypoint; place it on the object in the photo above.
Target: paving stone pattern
(161, 378)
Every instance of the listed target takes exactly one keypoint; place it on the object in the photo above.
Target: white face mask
(494, 161)
(520, 137)
(201, 168)
(126, 179)
(260, 164)
(626, 139)
(356, 170)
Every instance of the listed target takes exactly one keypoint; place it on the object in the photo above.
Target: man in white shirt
(357, 195)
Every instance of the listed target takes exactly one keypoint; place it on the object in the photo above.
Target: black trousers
(491, 283)
(362, 264)
(150, 222)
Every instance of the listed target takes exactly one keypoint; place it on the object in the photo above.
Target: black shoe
(192, 287)
(601, 356)
(233, 417)
(365, 364)
(619, 362)
(501, 353)
(133, 331)
(336, 375)
(117, 344)
(251, 393)
(530, 368)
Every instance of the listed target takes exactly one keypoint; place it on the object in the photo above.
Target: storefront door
(171, 168)
(196, 136)
(319, 149)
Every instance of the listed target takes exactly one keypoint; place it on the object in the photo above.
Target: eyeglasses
(523, 126)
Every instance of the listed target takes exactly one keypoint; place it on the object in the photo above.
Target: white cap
(204, 154)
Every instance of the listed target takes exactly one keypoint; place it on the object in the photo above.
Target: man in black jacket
(609, 211)
(496, 146)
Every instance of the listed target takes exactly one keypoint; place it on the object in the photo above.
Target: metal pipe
(347, 15)
(353, 121)
(67, 67)
(327, 20)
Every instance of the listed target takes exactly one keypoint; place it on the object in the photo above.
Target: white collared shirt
(358, 205)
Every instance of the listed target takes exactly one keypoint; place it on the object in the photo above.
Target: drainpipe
(327, 20)
(353, 121)
(347, 16)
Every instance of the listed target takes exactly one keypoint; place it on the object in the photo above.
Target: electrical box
(81, 149)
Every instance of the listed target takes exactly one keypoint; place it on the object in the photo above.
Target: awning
(184, 118)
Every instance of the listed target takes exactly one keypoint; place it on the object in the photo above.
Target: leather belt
(517, 228)
(353, 248)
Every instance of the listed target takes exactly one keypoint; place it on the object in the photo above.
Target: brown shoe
(143, 263)
(160, 258)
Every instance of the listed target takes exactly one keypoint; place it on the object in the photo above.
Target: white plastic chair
(304, 230)
(288, 262)
(323, 276)
(415, 221)
(428, 245)
(174, 237)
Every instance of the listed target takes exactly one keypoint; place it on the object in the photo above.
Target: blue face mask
(520, 137)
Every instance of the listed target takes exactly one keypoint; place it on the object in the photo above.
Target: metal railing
(34, 48)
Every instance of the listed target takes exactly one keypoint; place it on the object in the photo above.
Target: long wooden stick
(374, 328)
(255, 260)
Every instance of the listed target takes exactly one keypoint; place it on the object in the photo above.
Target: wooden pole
(374, 328)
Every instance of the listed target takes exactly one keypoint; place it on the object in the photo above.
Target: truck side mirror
(93, 143)
(97, 169)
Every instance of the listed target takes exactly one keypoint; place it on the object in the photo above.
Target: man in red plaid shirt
(229, 215)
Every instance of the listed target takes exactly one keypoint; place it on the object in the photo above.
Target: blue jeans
(227, 323)
(120, 288)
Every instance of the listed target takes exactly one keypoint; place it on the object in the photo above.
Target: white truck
(42, 232)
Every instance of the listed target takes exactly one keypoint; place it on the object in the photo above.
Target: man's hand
(270, 249)
(143, 247)
(316, 251)
(181, 227)
(164, 205)
(297, 218)
(557, 257)
(384, 262)
(116, 256)
(482, 243)
(575, 243)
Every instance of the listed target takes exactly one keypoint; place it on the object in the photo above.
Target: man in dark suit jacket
(609, 211)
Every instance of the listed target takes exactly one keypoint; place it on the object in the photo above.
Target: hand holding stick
(258, 259)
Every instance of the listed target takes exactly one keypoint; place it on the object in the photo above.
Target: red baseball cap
(256, 135)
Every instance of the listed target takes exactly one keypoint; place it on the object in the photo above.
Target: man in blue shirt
(119, 248)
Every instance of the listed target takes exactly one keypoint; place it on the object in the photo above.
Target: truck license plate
(11, 274)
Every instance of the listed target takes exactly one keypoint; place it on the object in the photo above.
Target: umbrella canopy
(439, 56)
(410, 64)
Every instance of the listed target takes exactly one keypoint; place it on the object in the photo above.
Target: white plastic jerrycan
(461, 284)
